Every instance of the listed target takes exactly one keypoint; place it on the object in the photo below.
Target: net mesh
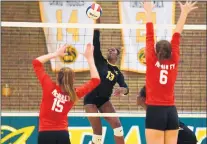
(21, 45)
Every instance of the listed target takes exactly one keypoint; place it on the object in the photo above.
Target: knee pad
(97, 139)
(119, 131)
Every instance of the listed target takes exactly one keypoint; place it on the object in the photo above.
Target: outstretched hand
(187, 7)
(61, 50)
(148, 6)
(89, 51)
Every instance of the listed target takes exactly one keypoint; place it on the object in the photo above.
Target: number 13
(110, 76)
(163, 76)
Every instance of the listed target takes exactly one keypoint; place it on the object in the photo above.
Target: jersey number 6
(163, 76)
(57, 105)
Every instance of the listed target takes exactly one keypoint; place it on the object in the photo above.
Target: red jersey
(56, 104)
(160, 76)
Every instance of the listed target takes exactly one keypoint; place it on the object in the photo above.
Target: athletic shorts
(53, 137)
(185, 135)
(98, 101)
(162, 118)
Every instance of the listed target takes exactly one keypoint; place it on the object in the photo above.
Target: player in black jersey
(99, 99)
(185, 135)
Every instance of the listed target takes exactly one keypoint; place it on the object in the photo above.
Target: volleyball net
(24, 41)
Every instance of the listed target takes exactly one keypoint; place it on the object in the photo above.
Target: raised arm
(97, 47)
(87, 87)
(150, 52)
(185, 10)
(42, 76)
(95, 79)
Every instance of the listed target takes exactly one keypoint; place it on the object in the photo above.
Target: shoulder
(117, 70)
(52, 86)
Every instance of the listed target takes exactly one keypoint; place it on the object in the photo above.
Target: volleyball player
(99, 99)
(162, 66)
(58, 98)
(185, 135)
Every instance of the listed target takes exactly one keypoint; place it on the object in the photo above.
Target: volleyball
(94, 11)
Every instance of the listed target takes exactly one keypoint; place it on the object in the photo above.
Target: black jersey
(186, 136)
(109, 73)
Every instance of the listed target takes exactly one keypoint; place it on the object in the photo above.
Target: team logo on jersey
(141, 56)
(71, 55)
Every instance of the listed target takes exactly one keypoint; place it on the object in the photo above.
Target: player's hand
(61, 50)
(120, 91)
(98, 21)
(148, 6)
(187, 7)
(140, 100)
(89, 51)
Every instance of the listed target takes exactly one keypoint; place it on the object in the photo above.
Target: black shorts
(98, 101)
(53, 137)
(162, 118)
(185, 135)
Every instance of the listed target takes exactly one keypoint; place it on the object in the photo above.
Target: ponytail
(163, 50)
(65, 80)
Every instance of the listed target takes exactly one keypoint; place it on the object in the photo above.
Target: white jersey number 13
(163, 76)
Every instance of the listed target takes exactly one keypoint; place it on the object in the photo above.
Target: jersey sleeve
(175, 43)
(150, 52)
(97, 48)
(121, 82)
(42, 76)
(87, 87)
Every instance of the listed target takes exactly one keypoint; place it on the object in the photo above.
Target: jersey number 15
(163, 76)
(57, 105)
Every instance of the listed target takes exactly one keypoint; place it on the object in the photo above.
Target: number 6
(163, 76)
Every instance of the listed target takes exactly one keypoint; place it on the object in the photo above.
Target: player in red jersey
(162, 66)
(58, 98)
(185, 136)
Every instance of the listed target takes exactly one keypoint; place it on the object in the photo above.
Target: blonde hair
(65, 80)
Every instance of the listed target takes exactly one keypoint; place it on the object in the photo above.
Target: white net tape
(101, 26)
(20, 114)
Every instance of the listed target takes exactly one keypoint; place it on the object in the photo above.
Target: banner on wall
(67, 12)
(24, 129)
(132, 12)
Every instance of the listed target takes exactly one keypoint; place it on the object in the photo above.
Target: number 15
(57, 105)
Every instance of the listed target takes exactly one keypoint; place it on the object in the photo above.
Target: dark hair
(163, 49)
(142, 92)
(65, 80)
(118, 51)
